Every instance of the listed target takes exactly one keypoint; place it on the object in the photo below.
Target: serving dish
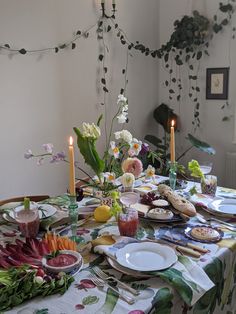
(188, 233)
(63, 258)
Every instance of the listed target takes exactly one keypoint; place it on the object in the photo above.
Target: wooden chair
(34, 198)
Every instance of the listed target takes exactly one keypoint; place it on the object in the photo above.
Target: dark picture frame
(217, 83)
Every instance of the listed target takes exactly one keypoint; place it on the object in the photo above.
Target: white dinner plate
(124, 270)
(146, 256)
(223, 207)
(47, 210)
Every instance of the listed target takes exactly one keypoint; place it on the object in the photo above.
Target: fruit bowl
(64, 261)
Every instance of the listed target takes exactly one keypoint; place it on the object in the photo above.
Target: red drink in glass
(28, 222)
(128, 223)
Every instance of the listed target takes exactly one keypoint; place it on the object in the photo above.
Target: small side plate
(188, 230)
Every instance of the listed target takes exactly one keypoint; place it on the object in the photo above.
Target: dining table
(193, 284)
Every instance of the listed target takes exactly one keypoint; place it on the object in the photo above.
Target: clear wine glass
(206, 167)
(129, 198)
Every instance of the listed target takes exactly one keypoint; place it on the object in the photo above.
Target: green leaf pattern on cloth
(207, 303)
(110, 302)
(176, 279)
(162, 302)
(42, 311)
(91, 299)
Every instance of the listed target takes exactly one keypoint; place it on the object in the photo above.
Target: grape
(79, 194)
(148, 198)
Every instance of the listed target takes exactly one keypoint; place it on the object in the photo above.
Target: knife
(227, 196)
(177, 247)
(187, 244)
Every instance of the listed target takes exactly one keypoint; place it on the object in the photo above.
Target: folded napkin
(185, 276)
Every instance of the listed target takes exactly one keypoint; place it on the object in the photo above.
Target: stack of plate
(139, 259)
(223, 207)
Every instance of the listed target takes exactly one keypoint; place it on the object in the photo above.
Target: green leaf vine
(187, 45)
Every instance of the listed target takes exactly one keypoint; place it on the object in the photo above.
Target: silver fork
(104, 276)
(101, 283)
(221, 222)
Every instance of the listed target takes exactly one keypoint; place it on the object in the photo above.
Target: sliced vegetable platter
(22, 276)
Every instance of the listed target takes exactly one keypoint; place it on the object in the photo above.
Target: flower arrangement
(122, 155)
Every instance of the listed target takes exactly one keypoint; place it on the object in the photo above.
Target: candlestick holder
(172, 174)
(73, 215)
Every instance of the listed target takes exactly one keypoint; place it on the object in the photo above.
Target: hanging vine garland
(187, 45)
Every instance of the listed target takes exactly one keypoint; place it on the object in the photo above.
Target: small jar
(128, 223)
(209, 185)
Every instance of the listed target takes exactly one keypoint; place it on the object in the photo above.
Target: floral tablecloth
(163, 294)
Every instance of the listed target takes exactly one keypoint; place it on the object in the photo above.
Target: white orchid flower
(150, 172)
(121, 98)
(114, 150)
(135, 147)
(122, 118)
(110, 177)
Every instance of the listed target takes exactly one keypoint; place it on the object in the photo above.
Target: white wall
(217, 133)
(43, 96)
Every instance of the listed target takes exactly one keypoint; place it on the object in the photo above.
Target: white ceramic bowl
(68, 268)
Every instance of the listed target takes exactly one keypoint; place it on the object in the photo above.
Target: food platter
(175, 218)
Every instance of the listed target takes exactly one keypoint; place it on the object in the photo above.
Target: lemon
(102, 213)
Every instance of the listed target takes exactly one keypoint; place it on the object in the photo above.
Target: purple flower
(58, 157)
(48, 147)
(40, 161)
(28, 154)
(145, 149)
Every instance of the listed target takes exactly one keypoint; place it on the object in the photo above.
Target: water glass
(209, 185)
(128, 223)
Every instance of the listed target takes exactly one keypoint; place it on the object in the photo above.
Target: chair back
(34, 198)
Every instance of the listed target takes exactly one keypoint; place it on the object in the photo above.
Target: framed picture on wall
(217, 83)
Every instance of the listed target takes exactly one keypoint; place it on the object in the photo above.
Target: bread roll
(163, 189)
(184, 207)
(177, 201)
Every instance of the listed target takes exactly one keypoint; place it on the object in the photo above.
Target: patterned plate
(188, 233)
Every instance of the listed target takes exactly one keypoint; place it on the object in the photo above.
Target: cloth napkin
(185, 276)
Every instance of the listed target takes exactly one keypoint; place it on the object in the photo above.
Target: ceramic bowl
(67, 268)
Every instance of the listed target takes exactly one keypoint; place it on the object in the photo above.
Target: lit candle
(172, 141)
(72, 167)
